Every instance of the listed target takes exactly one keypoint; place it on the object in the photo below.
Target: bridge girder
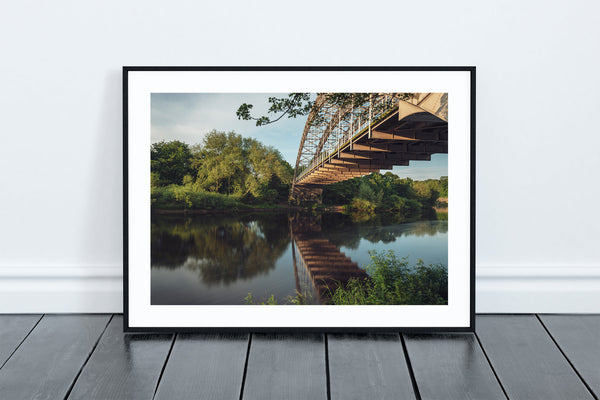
(343, 142)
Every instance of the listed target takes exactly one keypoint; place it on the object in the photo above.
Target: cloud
(190, 116)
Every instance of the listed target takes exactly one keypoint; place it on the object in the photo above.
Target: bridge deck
(388, 142)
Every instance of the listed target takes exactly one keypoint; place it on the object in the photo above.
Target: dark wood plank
(526, 360)
(46, 364)
(205, 367)
(368, 366)
(286, 366)
(13, 329)
(123, 366)
(579, 338)
(451, 366)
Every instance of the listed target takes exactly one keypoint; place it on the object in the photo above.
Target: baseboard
(49, 289)
(538, 289)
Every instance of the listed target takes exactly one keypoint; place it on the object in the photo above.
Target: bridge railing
(351, 124)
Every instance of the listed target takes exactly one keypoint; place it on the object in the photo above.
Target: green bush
(413, 208)
(362, 205)
(174, 197)
(441, 216)
(393, 281)
(248, 198)
(407, 208)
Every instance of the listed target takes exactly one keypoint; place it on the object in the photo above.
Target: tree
(300, 104)
(296, 104)
(425, 194)
(222, 165)
(229, 164)
(169, 162)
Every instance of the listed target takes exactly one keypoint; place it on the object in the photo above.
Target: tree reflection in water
(221, 248)
(234, 254)
(347, 229)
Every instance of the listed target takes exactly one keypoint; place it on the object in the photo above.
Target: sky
(188, 117)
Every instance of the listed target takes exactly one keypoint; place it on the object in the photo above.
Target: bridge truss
(345, 139)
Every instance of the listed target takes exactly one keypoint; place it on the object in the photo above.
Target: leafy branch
(296, 104)
(299, 104)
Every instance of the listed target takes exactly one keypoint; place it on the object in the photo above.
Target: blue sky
(190, 116)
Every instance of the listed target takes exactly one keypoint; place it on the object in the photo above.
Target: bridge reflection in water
(319, 265)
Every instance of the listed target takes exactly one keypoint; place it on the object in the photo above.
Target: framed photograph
(299, 198)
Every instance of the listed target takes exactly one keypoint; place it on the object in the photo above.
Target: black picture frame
(127, 171)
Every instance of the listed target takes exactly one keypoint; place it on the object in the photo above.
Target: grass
(176, 197)
(298, 299)
(180, 198)
(393, 281)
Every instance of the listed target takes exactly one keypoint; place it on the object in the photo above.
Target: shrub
(362, 205)
(393, 281)
(174, 197)
(441, 216)
(248, 198)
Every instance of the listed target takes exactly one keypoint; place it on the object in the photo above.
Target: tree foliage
(223, 164)
(408, 198)
(300, 104)
(169, 162)
(296, 104)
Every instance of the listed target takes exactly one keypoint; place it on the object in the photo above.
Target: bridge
(343, 140)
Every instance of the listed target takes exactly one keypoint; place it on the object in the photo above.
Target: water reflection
(320, 266)
(222, 249)
(347, 230)
(219, 259)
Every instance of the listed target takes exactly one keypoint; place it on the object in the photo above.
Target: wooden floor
(510, 356)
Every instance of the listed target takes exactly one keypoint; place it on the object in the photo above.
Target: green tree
(229, 164)
(425, 194)
(169, 162)
(300, 104)
(222, 165)
(296, 104)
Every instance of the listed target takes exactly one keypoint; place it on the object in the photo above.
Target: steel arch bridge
(342, 141)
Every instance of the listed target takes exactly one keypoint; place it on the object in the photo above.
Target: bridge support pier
(308, 193)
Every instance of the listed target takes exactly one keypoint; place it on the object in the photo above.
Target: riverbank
(442, 214)
(226, 210)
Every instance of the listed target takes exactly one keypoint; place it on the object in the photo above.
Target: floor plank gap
(526, 360)
(246, 366)
(21, 342)
(162, 371)
(566, 358)
(87, 359)
(410, 368)
(491, 366)
(368, 366)
(327, 375)
(287, 366)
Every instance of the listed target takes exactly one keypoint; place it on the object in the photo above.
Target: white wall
(538, 96)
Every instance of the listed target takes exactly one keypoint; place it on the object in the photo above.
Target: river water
(220, 259)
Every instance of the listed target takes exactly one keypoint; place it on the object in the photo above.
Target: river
(220, 259)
